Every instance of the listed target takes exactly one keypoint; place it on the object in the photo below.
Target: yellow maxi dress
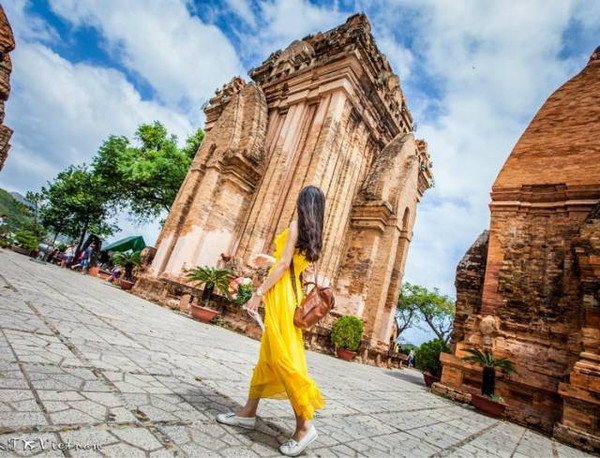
(281, 369)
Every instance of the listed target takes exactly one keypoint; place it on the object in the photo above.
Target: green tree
(144, 178)
(74, 204)
(27, 239)
(16, 214)
(417, 304)
(428, 356)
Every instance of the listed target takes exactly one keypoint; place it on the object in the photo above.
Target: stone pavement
(85, 364)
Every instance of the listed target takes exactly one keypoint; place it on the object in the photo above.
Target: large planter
(203, 314)
(430, 379)
(487, 406)
(94, 271)
(126, 284)
(345, 354)
(20, 250)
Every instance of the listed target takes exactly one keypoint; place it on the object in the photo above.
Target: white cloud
(279, 22)
(25, 24)
(61, 112)
(181, 57)
(401, 58)
(493, 64)
(243, 10)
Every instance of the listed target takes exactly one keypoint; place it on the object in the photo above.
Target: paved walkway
(96, 371)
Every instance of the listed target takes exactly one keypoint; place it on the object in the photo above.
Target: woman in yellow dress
(281, 371)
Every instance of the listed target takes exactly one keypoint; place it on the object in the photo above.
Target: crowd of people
(69, 258)
(82, 260)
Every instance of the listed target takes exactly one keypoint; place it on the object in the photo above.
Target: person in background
(68, 258)
(410, 361)
(87, 259)
(114, 274)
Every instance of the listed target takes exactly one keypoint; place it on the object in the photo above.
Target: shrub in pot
(27, 240)
(488, 402)
(428, 359)
(127, 260)
(211, 278)
(346, 334)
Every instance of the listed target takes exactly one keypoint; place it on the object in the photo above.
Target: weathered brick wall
(7, 44)
(539, 298)
(580, 423)
(326, 111)
(470, 275)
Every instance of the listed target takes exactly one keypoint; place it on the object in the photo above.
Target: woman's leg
(302, 427)
(249, 410)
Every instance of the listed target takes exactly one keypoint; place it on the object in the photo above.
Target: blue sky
(474, 74)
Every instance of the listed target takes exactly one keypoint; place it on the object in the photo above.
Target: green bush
(27, 239)
(428, 356)
(347, 332)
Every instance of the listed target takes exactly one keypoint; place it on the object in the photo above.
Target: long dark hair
(311, 214)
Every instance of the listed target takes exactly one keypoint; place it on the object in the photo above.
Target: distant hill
(21, 198)
(16, 213)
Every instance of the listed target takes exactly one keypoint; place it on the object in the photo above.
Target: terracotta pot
(94, 271)
(126, 285)
(346, 354)
(430, 379)
(203, 314)
(487, 406)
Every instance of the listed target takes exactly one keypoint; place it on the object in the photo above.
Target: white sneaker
(232, 419)
(293, 448)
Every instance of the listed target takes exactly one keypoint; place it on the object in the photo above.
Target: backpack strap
(293, 276)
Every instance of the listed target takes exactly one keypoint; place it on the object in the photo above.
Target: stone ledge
(577, 438)
(451, 393)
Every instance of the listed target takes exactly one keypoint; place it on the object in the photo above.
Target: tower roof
(561, 145)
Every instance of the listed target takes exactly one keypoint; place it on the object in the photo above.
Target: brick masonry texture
(7, 44)
(529, 289)
(326, 111)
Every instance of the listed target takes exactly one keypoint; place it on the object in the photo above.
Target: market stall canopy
(133, 243)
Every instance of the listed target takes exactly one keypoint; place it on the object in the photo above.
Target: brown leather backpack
(316, 304)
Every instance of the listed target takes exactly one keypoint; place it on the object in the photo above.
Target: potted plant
(211, 278)
(428, 360)
(488, 402)
(127, 260)
(27, 242)
(346, 334)
(94, 271)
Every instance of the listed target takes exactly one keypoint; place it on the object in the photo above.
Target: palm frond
(486, 359)
(125, 258)
(505, 365)
(207, 275)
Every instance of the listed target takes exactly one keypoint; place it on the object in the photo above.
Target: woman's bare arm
(284, 261)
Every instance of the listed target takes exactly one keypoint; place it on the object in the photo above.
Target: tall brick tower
(529, 289)
(327, 111)
(7, 44)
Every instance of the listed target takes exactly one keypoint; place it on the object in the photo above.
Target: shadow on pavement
(408, 375)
